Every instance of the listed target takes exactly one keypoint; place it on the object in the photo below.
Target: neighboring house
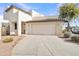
(32, 22)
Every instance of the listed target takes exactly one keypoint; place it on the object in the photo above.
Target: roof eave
(12, 6)
(44, 20)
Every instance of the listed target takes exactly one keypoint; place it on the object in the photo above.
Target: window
(15, 26)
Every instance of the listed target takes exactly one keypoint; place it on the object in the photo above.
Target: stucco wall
(11, 15)
(59, 28)
(24, 16)
(23, 27)
(3, 31)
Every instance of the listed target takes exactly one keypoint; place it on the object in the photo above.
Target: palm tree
(68, 12)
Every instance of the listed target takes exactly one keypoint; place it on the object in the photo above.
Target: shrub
(8, 39)
(75, 38)
(66, 35)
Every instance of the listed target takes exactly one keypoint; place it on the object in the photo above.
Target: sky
(47, 9)
(43, 8)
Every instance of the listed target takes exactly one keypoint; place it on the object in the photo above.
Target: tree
(68, 12)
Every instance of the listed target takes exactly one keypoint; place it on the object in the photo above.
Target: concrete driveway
(42, 45)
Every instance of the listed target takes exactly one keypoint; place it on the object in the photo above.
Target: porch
(17, 28)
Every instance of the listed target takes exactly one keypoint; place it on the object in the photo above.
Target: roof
(45, 19)
(12, 6)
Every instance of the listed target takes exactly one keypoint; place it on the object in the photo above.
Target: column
(12, 32)
(11, 27)
(19, 27)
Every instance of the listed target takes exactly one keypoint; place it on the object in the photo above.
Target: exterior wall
(28, 28)
(12, 29)
(8, 14)
(59, 28)
(23, 27)
(24, 17)
(19, 28)
(5, 29)
(11, 15)
(55, 28)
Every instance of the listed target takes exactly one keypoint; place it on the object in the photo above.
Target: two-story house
(32, 22)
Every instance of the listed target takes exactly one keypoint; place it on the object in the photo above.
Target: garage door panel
(43, 28)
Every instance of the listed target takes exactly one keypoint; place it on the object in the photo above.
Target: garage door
(42, 28)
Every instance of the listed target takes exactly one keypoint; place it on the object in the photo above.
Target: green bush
(8, 39)
(75, 38)
(66, 35)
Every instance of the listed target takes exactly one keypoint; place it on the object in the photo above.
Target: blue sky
(48, 9)
(44, 8)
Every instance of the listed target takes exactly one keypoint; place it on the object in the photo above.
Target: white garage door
(42, 28)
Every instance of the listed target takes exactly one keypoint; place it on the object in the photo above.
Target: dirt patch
(6, 48)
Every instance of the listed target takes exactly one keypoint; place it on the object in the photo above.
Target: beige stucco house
(32, 22)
